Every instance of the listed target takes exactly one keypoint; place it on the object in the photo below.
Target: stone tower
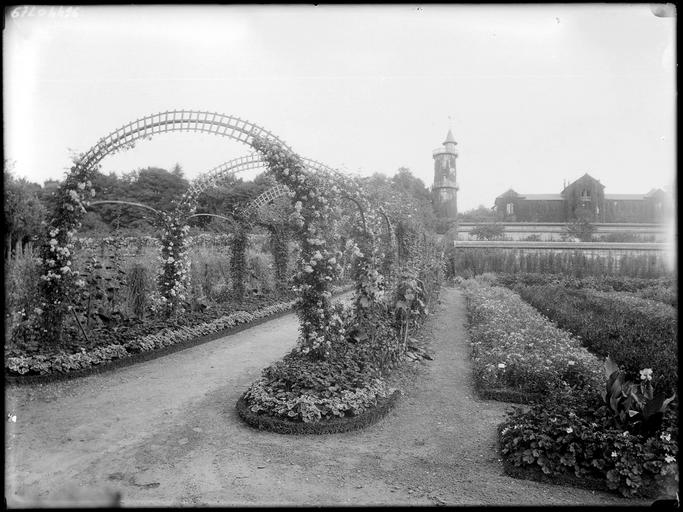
(445, 187)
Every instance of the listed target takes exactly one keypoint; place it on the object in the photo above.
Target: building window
(510, 208)
(585, 195)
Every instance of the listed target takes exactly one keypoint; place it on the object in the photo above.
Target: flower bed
(331, 426)
(637, 333)
(39, 367)
(24, 369)
(570, 435)
(571, 439)
(518, 352)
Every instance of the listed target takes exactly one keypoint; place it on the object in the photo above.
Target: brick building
(585, 198)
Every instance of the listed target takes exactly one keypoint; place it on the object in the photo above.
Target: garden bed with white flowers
(590, 426)
(516, 352)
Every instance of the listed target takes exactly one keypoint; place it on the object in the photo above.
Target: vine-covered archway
(313, 186)
(74, 195)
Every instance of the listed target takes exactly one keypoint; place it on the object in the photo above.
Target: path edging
(508, 395)
(332, 426)
(147, 355)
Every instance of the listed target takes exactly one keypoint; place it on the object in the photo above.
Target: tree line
(28, 205)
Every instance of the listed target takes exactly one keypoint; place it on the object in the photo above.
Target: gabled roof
(586, 176)
(654, 192)
(543, 197)
(509, 193)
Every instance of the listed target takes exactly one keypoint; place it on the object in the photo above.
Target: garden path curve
(165, 433)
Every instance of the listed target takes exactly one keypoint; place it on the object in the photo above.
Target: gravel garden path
(165, 433)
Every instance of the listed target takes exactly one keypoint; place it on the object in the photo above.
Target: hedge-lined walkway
(165, 432)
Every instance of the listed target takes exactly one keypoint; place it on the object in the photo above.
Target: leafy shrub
(637, 333)
(21, 300)
(260, 271)
(138, 283)
(635, 407)
(602, 283)
(493, 231)
(515, 347)
(573, 434)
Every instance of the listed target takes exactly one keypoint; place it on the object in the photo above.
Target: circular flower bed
(301, 395)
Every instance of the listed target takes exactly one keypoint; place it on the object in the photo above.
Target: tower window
(510, 208)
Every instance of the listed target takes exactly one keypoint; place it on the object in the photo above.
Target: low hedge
(516, 349)
(636, 333)
(662, 289)
(572, 439)
(605, 283)
(330, 426)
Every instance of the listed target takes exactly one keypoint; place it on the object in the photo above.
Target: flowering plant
(57, 279)
(634, 406)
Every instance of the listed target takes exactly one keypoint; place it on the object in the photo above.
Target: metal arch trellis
(176, 120)
(266, 197)
(236, 165)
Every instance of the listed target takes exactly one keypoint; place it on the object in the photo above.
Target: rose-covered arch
(57, 282)
(313, 186)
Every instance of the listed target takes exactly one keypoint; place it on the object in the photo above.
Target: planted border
(517, 353)
(331, 426)
(571, 440)
(637, 333)
(156, 345)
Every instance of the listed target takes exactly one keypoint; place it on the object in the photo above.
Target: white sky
(537, 94)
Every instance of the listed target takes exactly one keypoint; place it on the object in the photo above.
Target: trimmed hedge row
(663, 289)
(331, 426)
(636, 333)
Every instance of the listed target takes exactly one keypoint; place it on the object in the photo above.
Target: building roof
(543, 197)
(509, 192)
(583, 178)
(449, 138)
(622, 197)
(655, 191)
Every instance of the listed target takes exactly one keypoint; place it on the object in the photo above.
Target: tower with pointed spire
(445, 189)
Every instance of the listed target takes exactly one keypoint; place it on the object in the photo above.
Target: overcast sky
(534, 94)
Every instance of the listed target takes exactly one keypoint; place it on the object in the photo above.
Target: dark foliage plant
(636, 333)
(574, 434)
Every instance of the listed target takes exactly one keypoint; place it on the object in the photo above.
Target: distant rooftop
(543, 197)
(622, 197)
